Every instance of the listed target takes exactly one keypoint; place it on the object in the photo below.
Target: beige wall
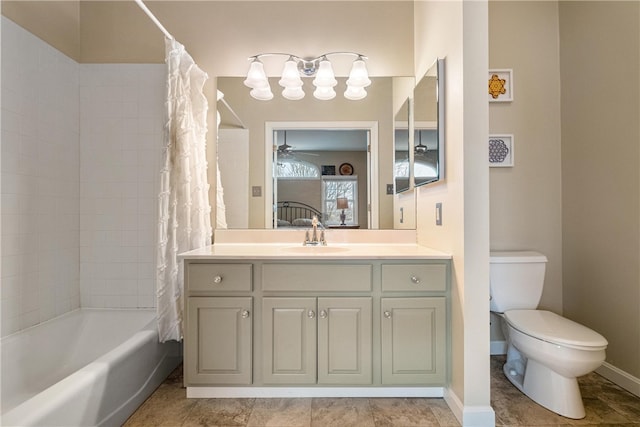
(55, 22)
(457, 31)
(601, 173)
(526, 201)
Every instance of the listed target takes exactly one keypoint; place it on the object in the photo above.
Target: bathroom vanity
(274, 320)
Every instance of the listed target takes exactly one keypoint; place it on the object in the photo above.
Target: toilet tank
(516, 280)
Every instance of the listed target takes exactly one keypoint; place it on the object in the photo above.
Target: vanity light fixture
(296, 67)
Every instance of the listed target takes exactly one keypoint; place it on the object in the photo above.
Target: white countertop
(291, 251)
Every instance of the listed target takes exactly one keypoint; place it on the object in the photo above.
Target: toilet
(546, 352)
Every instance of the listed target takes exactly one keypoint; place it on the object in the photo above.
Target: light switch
(439, 213)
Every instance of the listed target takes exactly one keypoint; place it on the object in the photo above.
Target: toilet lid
(552, 328)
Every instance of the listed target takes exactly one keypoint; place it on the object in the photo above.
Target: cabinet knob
(387, 314)
(415, 279)
(311, 314)
(245, 314)
(217, 279)
(323, 314)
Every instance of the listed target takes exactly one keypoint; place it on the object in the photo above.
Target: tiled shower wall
(40, 184)
(80, 155)
(121, 111)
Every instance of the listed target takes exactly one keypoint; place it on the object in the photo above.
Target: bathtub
(90, 367)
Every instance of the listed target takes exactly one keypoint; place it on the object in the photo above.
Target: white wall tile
(120, 144)
(40, 164)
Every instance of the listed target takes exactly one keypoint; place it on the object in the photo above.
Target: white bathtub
(86, 368)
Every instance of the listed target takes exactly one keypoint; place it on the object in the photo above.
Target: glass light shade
(262, 94)
(256, 77)
(324, 93)
(359, 75)
(355, 93)
(325, 76)
(290, 75)
(293, 93)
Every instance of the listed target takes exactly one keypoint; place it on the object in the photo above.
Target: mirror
(256, 153)
(322, 173)
(428, 150)
(402, 147)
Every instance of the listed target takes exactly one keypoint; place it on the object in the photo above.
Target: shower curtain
(184, 209)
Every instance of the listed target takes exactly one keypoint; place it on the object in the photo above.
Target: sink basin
(316, 249)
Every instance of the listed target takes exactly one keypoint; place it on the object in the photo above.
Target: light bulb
(355, 93)
(262, 94)
(290, 75)
(359, 75)
(324, 93)
(325, 76)
(293, 93)
(256, 77)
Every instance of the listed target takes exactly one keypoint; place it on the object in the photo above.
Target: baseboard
(620, 377)
(498, 348)
(469, 416)
(266, 392)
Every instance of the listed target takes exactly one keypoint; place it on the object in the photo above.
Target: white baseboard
(498, 348)
(620, 377)
(264, 392)
(469, 416)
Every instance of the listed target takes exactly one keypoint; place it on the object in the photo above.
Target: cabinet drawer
(316, 277)
(219, 277)
(414, 277)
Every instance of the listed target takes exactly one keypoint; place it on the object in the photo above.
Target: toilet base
(547, 388)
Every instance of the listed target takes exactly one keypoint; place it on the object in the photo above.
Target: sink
(316, 249)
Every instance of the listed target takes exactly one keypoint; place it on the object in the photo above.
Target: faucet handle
(322, 239)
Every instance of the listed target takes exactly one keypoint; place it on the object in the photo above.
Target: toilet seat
(555, 329)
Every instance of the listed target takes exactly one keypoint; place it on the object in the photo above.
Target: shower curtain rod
(151, 16)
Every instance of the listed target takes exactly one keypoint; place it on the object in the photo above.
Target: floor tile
(281, 413)
(606, 404)
(405, 412)
(220, 412)
(341, 412)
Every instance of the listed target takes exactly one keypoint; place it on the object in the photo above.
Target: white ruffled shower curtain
(184, 209)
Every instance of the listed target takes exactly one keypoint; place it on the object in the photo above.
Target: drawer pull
(415, 279)
(323, 314)
(245, 314)
(217, 279)
(387, 314)
(311, 314)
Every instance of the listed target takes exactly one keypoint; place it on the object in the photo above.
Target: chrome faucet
(313, 240)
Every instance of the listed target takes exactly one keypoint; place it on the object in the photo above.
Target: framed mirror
(428, 144)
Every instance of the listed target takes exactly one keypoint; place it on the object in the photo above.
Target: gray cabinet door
(218, 347)
(344, 341)
(413, 340)
(289, 340)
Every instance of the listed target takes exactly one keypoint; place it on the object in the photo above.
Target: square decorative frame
(500, 151)
(500, 86)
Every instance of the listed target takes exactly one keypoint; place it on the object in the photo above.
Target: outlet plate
(256, 191)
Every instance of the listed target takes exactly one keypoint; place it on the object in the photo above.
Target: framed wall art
(500, 85)
(500, 151)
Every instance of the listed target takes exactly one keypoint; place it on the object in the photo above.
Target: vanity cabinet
(218, 327)
(270, 326)
(317, 340)
(413, 340)
(219, 348)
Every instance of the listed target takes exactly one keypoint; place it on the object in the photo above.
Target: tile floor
(605, 403)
